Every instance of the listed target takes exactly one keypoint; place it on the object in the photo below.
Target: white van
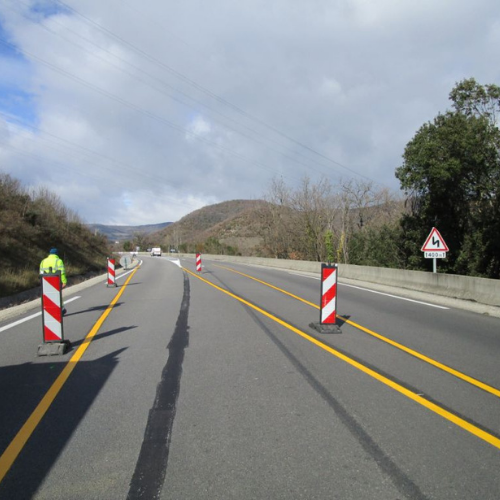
(156, 252)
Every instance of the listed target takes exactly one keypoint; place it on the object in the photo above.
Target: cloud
(142, 115)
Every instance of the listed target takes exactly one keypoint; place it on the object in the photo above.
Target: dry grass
(12, 282)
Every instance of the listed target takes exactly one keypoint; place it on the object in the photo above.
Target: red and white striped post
(52, 317)
(198, 262)
(328, 313)
(111, 272)
(328, 309)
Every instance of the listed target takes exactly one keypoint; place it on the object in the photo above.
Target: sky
(142, 112)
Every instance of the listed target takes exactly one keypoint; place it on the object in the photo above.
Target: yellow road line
(17, 444)
(416, 354)
(476, 431)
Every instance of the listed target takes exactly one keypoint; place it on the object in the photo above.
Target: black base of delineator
(325, 328)
(54, 348)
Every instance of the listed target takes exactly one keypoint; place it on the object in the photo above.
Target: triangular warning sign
(434, 242)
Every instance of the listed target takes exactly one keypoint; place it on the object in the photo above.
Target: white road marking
(177, 262)
(18, 322)
(375, 291)
(395, 296)
(125, 274)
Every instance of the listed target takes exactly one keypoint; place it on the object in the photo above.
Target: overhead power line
(136, 108)
(206, 91)
(163, 92)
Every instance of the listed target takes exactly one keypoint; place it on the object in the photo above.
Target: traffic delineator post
(198, 262)
(52, 316)
(111, 273)
(328, 305)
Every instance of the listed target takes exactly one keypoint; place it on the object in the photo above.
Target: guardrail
(481, 290)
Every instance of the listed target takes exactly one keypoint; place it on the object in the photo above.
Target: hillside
(122, 233)
(31, 224)
(259, 228)
(234, 225)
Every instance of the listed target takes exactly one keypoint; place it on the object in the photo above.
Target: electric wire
(162, 91)
(137, 108)
(206, 91)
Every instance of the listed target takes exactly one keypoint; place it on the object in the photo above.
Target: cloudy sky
(141, 112)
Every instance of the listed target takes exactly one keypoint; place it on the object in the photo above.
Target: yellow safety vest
(52, 264)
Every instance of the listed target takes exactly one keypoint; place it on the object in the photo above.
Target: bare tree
(277, 217)
(310, 203)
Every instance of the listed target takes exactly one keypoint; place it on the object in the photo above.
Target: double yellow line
(17, 444)
(485, 436)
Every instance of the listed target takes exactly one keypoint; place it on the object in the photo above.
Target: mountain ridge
(122, 233)
(233, 225)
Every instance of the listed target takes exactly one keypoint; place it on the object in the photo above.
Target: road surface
(212, 385)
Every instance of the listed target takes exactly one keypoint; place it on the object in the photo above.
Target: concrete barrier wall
(482, 290)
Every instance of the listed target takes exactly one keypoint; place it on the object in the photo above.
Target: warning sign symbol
(434, 242)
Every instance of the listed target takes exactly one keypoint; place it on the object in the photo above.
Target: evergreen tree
(451, 175)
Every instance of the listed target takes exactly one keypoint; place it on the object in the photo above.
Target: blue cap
(53, 250)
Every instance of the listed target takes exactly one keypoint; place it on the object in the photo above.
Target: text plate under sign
(435, 255)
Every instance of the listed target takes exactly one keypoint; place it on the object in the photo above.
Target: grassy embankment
(31, 224)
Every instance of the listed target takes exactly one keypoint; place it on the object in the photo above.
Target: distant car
(156, 252)
(173, 250)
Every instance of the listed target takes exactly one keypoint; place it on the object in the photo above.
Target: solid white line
(125, 274)
(380, 293)
(395, 296)
(66, 301)
(18, 322)
(11, 325)
(304, 275)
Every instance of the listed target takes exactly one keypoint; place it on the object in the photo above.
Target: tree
(140, 240)
(313, 222)
(451, 175)
(277, 219)
(377, 246)
(471, 99)
(311, 208)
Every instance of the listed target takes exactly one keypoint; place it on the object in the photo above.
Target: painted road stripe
(17, 444)
(460, 422)
(18, 322)
(374, 291)
(416, 354)
(395, 296)
(66, 301)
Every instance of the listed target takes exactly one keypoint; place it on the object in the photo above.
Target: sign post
(434, 248)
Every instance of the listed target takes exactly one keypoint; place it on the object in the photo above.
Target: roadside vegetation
(33, 222)
(352, 224)
(449, 177)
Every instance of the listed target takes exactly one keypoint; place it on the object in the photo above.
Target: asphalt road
(213, 385)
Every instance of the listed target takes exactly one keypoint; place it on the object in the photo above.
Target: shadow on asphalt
(341, 321)
(21, 389)
(103, 335)
(90, 309)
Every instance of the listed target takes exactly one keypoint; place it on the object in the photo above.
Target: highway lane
(186, 392)
(461, 341)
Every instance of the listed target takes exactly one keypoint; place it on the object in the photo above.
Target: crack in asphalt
(151, 468)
